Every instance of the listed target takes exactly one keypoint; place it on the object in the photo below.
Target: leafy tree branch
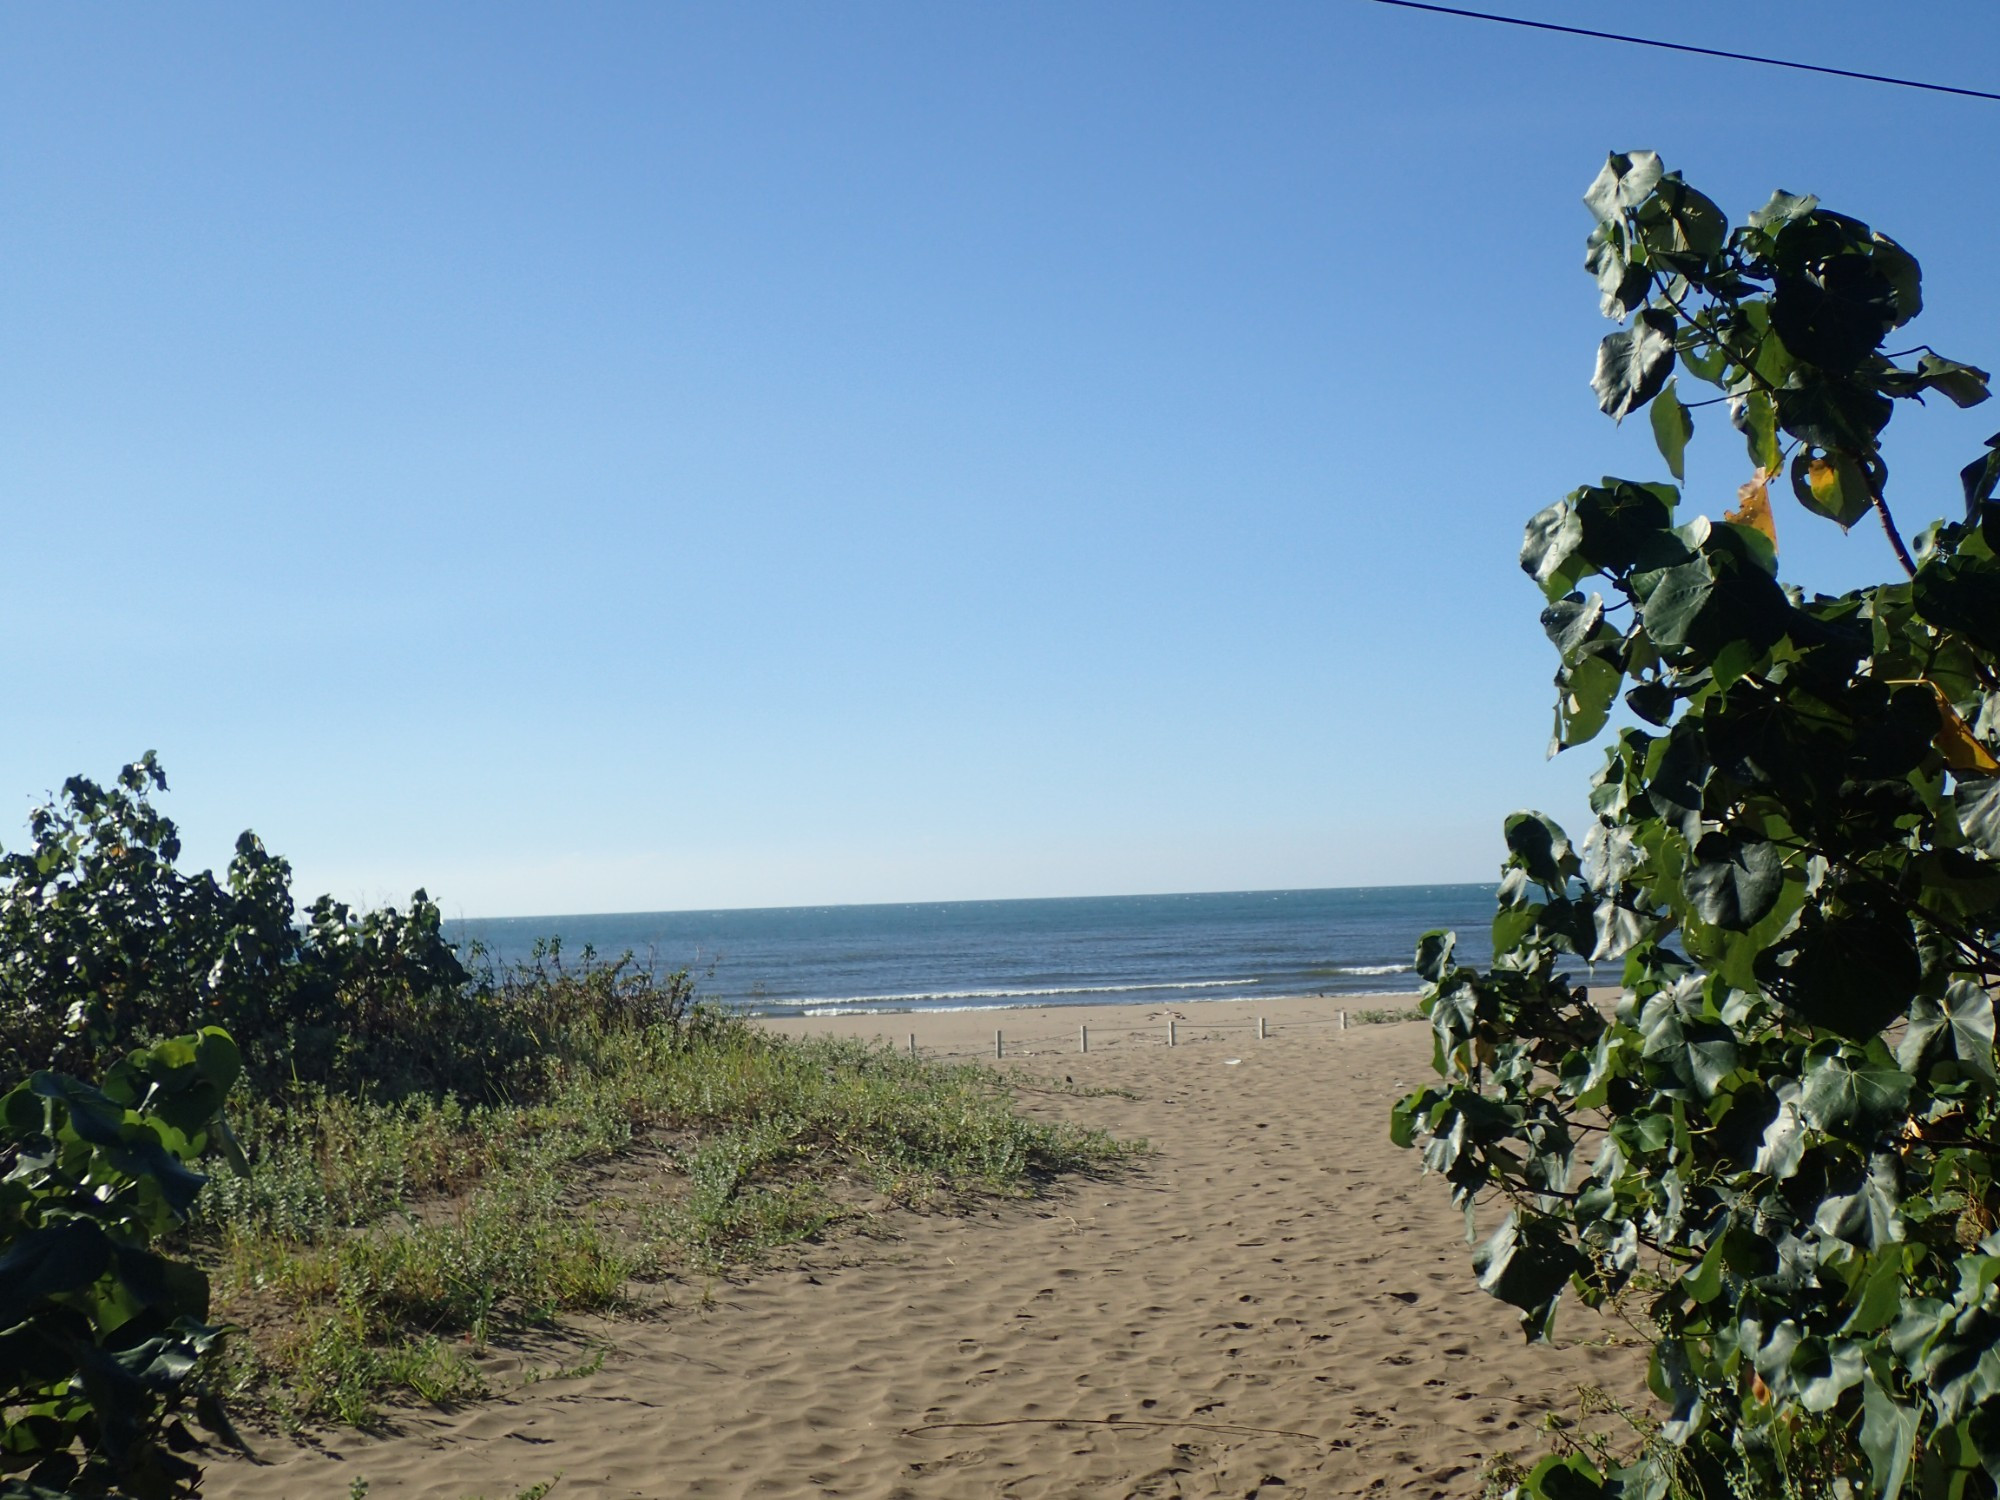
(1783, 1130)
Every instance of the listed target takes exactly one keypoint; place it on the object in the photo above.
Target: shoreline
(901, 1005)
(1039, 1031)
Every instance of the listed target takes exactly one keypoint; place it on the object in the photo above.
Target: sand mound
(1273, 1304)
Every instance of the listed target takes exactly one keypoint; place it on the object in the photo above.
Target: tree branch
(1889, 526)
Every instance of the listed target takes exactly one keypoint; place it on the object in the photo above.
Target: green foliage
(376, 1245)
(536, 1491)
(1387, 1017)
(103, 1338)
(780, 1119)
(105, 943)
(431, 1154)
(1782, 1134)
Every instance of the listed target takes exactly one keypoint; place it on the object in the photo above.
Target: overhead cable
(1640, 41)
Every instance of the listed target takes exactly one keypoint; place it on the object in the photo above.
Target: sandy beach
(1271, 1303)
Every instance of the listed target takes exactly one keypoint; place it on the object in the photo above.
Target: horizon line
(703, 911)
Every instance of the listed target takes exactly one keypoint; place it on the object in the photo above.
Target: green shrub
(1783, 1134)
(105, 944)
(103, 1339)
(414, 1129)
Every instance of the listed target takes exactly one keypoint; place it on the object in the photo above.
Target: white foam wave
(1376, 969)
(939, 1010)
(939, 996)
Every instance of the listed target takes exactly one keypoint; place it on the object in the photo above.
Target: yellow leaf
(1956, 742)
(1753, 506)
(1823, 479)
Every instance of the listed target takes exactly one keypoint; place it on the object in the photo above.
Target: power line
(1640, 41)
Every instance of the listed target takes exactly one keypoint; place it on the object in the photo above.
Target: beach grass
(377, 1248)
(1388, 1016)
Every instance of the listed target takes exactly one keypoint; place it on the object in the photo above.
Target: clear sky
(608, 457)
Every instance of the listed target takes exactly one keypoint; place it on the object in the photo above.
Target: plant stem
(1895, 537)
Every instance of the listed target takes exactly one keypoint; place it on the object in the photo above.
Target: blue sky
(611, 457)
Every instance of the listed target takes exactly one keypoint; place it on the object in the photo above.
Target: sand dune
(1272, 1304)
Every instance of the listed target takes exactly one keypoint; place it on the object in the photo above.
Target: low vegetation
(1392, 1016)
(426, 1157)
(375, 1247)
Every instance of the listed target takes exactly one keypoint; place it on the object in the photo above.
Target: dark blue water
(975, 955)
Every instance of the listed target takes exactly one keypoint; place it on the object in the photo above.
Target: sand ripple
(1277, 1265)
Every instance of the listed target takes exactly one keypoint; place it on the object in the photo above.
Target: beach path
(1274, 1291)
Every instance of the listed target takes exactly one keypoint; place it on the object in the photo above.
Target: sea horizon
(1013, 952)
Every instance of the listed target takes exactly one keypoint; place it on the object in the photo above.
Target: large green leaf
(1586, 691)
(1573, 623)
(1623, 183)
(1831, 310)
(1719, 598)
(84, 1110)
(53, 1261)
(1783, 1143)
(1888, 1437)
(1674, 601)
(1854, 1092)
(1681, 227)
(1977, 803)
(1403, 1120)
(1434, 951)
(1633, 364)
(1550, 552)
(1610, 855)
(1627, 525)
(1685, 1053)
(1961, 384)
(1651, 701)
(1672, 427)
(1623, 285)
(1853, 973)
(1782, 208)
(1866, 1217)
(1526, 1262)
(1905, 276)
(1958, 1026)
(1755, 415)
(1822, 1373)
(1843, 416)
(1618, 929)
(1541, 847)
(1832, 485)
(1981, 478)
(1564, 1477)
(1961, 594)
(1734, 884)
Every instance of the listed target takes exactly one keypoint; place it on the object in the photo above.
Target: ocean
(997, 955)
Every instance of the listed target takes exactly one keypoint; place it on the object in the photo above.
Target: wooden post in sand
(1172, 1040)
(999, 1047)
(1343, 1020)
(1083, 1038)
(1261, 1032)
(913, 1044)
